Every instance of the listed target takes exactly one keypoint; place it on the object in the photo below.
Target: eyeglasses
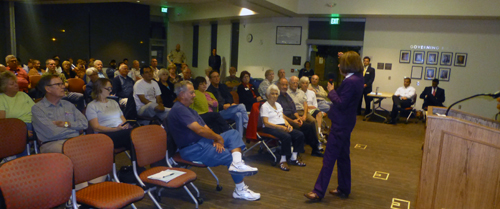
(109, 89)
(57, 84)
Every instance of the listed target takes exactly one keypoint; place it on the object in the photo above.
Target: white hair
(181, 86)
(91, 71)
(304, 79)
(9, 57)
(272, 87)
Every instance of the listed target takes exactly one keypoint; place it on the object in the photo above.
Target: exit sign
(334, 21)
(164, 9)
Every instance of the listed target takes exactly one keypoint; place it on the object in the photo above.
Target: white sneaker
(246, 194)
(241, 168)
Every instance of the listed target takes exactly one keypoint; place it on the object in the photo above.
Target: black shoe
(393, 122)
(339, 193)
(317, 153)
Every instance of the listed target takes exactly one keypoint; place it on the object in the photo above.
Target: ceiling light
(53, 39)
(246, 12)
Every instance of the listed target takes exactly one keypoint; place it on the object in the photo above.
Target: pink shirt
(209, 99)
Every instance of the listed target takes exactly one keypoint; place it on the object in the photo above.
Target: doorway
(325, 62)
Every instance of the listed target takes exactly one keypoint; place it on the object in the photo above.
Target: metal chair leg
(192, 196)
(218, 188)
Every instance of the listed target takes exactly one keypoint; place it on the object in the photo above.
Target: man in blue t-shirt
(197, 142)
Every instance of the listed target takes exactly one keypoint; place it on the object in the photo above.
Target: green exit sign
(334, 21)
(164, 10)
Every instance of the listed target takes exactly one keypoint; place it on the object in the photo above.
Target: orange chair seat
(264, 135)
(177, 158)
(180, 181)
(409, 108)
(109, 195)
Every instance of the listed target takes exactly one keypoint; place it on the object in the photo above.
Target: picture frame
(446, 58)
(388, 66)
(380, 66)
(416, 72)
(444, 74)
(404, 56)
(418, 57)
(432, 58)
(430, 73)
(460, 59)
(289, 35)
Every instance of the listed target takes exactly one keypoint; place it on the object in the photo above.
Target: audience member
(98, 65)
(290, 114)
(80, 71)
(321, 95)
(76, 98)
(147, 96)
(306, 71)
(167, 89)
(227, 108)
(177, 57)
(281, 74)
(54, 119)
(36, 69)
(125, 61)
(154, 69)
(274, 124)
(266, 83)
(91, 62)
(20, 64)
(205, 104)
(433, 95)
(110, 71)
(70, 60)
(136, 71)
(369, 76)
(2, 68)
(403, 98)
(21, 74)
(105, 116)
(66, 70)
(232, 82)
(214, 60)
(207, 76)
(186, 75)
(93, 74)
(123, 86)
(199, 143)
(172, 76)
(50, 65)
(57, 63)
(312, 104)
(246, 92)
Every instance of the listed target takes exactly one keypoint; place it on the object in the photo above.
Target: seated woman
(206, 105)
(172, 76)
(274, 124)
(167, 88)
(80, 71)
(66, 70)
(312, 103)
(15, 103)
(247, 93)
(105, 115)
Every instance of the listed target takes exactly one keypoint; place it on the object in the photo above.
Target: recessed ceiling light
(53, 39)
(138, 1)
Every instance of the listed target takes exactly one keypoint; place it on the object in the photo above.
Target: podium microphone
(494, 95)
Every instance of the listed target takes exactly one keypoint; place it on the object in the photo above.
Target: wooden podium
(460, 162)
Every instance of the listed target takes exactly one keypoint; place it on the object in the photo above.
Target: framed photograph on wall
(404, 56)
(289, 35)
(432, 58)
(444, 74)
(430, 73)
(460, 59)
(446, 58)
(416, 72)
(418, 57)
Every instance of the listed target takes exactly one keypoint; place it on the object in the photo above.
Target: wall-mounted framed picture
(446, 58)
(430, 73)
(388, 66)
(416, 72)
(432, 58)
(418, 57)
(380, 66)
(460, 59)
(288, 35)
(404, 56)
(444, 74)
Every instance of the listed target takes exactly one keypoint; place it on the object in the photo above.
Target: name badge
(367, 73)
(246, 89)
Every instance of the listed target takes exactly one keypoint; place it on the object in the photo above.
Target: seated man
(73, 97)
(92, 74)
(123, 85)
(266, 83)
(432, 95)
(228, 109)
(147, 96)
(54, 119)
(186, 74)
(290, 114)
(321, 95)
(197, 142)
(402, 99)
(21, 74)
(232, 82)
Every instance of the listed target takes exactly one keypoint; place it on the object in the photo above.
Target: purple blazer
(345, 101)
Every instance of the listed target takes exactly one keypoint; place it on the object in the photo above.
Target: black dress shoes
(339, 193)
(317, 153)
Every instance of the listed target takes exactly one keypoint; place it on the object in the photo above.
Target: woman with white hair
(312, 103)
(275, 124)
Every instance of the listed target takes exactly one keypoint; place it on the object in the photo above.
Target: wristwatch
(66, 124)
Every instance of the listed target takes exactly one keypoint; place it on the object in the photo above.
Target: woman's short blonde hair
(163, 71)
(4, 80)
(66, 62)
(350, 62)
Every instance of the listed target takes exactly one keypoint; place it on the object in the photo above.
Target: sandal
(312, 196)
(297, 162)
(284, 166)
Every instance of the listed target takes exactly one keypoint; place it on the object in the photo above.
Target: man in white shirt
(402, 99)
(147, 96)
(135, 71)
(321, 94)
(154, 68)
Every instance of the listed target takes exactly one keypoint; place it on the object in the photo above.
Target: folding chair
(410, 110)
(34, 79)
(36, 181)
(76, 85)
(92, 157)
(149, 145)
(253, 133)
(14, 135)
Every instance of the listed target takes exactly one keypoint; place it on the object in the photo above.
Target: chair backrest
(149, 144)
(236, 97)
(75, 85)
(254, 121)
(34, 79)
(91, 154)
(37, 181)
(13, 134)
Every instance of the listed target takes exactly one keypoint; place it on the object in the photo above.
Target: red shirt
(22, 78)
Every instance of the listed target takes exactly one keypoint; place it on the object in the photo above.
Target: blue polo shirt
(179, 118)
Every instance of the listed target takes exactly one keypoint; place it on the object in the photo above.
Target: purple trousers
(337, 150)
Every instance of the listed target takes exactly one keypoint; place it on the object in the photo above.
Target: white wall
(385, 37)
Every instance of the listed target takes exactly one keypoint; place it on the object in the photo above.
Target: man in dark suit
(214, 61)
(369, 76)
(432, 95)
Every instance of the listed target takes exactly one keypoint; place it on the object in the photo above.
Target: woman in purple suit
(343, 115)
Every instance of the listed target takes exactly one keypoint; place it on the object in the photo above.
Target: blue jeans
(204, 151)
(324, 105)
(238, 113)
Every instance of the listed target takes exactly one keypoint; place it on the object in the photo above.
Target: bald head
(294, 83)
(281, 73)
(314, 80)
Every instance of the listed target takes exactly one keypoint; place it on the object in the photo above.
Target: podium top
(457, 114)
